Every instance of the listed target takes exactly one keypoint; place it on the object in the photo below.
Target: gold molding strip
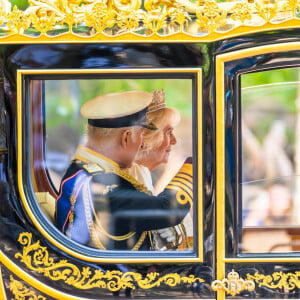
(37, 258)
(2, 288)
(129, 20)
(21, 292)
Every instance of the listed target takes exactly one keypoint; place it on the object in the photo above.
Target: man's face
(135, 141)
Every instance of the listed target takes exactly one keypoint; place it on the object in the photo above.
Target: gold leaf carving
(37, 258)
(159, 17)
(128, 20)
(211, 16)
(17, 21)
(276, 280)
(233, 285)
(155, 20)
(43, 23)
(242, 12)
(267, 10)
(21, 292)
(99, 17)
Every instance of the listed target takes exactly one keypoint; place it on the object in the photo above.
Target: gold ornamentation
(293, 6)
(102, 19)
(137, 185)
(183, 184)
(16, 22)
(6, 8)
(267, 10)
(276, 280)
(155, 20)
(21, 292)
(43, 23)
(233, 285)
(99, 17)
(210, 17)
(158, 101)
(128, 20)
(241, 12)
(36, 258)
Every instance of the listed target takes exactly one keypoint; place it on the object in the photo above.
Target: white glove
(168, 234)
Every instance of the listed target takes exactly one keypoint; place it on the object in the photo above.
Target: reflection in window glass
(270, 165)
(139, 225)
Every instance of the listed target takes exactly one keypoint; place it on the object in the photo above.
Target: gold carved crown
(158, 101)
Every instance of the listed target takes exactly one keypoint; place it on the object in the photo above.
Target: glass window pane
(270, 142)
(59, 126)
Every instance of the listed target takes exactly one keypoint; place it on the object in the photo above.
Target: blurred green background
(64, 98)
(21, 4)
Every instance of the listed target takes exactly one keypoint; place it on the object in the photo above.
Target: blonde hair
(154, 138)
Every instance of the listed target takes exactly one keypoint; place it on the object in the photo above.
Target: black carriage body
(46, 263)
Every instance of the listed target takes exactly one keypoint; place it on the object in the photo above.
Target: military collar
(88, 155)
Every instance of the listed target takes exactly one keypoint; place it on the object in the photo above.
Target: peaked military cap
(118, 110)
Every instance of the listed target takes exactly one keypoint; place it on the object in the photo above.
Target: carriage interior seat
(47, 204)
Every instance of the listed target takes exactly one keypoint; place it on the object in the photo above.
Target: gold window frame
(197, 254)
(220, 155)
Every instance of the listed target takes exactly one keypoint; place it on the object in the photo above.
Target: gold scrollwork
(242, 12)
(233, 285)
(21, 292)
(37, 258)
(152, 17)
(288, 281)
(210, 17)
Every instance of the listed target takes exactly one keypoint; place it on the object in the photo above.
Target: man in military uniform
(99, 203)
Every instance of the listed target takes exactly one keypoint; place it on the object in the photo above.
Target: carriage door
(258, 172)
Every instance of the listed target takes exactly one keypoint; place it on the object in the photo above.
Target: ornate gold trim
(288, 281)
(220, 156)
(21, 292)
(99, 258)
(46, 20)
(36, 258)
(233, 285)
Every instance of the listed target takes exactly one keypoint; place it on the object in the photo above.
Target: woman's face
(161, 152)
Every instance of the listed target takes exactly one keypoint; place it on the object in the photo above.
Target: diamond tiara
(158, 101)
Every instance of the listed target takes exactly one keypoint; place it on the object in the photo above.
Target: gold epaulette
(183, 184)
(93, 168)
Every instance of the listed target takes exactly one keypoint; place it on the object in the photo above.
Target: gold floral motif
(99, 17)
(291, 5)
(210, 17)
(21, 292)
(267, 10)
(17, 21)
(181, 18)
(156, 20)
(153, 5)
(43, 23)
(276, 280)
(233, 285)
(155, 17)
(37, 258)
(241, 12)
(128, 20)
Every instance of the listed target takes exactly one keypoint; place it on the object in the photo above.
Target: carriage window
(270, 180)
(72, 160)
